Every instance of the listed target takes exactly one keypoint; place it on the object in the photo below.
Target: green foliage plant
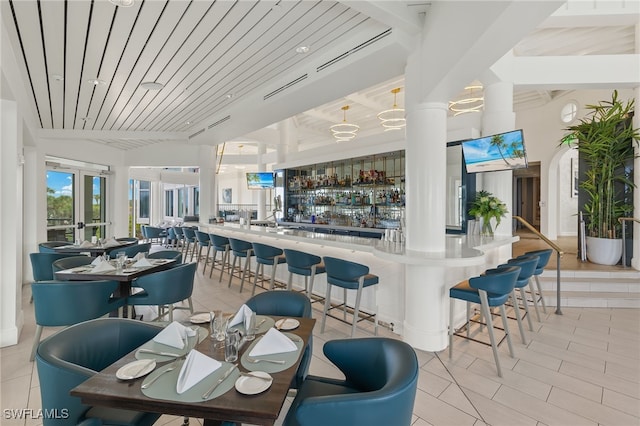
(487, 206)
(605, 139)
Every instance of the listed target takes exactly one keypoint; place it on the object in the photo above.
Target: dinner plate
(136, 369)
(202, 318)
(129, 270)
(249, 385)
(287, 324)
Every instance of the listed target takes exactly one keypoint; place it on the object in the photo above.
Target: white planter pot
(604, 251)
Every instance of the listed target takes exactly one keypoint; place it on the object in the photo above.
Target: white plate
(253, 385)
(129, 270)
(203, 318)
(287, 324)
(136, 369)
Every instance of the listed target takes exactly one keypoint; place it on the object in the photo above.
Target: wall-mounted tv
(260, 180)
(503, 151)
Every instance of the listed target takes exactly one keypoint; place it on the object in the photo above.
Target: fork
(266, 379)
(152, 381)
(257, 360)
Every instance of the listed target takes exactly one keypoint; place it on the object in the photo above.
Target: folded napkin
(138, 256)
(273, 342)
(142, 262)
(111, 243)
(174, 335)
(196, 367)
(86, 244)
(103, 266)
(241, 316)
(98, 260)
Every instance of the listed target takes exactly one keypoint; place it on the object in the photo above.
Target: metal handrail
(623, 221)
(559, 254)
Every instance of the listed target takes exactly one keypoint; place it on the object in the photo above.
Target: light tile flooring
(581, 368)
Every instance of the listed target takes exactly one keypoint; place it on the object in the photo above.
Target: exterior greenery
(605, 139)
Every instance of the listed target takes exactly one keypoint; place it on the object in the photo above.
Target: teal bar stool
(266, 255)
(349, 276)
(240, 249)
(179, 237)
(189, 235)
(544, 256)
(527, 266)
(305, 264)
(220, 244)
(490, 290)
(203, 240)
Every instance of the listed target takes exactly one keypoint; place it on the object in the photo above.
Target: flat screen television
(503, 151)
(260, 180)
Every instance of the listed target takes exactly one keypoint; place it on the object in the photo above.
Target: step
(597, 289)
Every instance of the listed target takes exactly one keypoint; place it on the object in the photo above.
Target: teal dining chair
(130, 251)
(70, 262)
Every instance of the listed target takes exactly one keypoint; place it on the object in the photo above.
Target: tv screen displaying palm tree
(504, 151)
(260, 180)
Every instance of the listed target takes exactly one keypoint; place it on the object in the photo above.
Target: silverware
(280, 323)
(220, 380)
(260, 323)
(257, 360)
(250, 374)
(149, 351)
(141, 369)
(152, 381)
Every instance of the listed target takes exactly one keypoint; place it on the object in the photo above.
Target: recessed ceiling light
(96, 81)
(85, 119)
(229, 95)
(151, 85)
(187, 122)
(302, 49)
(122, 3)
(57, 77)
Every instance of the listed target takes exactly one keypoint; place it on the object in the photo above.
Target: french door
(76, 205)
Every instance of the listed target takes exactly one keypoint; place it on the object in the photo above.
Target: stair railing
(559, 254)
(623, 221)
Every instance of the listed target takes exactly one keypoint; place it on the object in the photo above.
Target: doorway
(526, 187)
(76, 203)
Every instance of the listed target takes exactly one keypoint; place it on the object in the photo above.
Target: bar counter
(417, 312)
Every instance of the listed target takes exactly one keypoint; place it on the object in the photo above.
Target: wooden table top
(104, 389)
(94, 251)
(116, 275)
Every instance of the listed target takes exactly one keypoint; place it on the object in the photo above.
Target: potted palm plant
(605, 139)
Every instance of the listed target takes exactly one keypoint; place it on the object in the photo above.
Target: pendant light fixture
(472, 103)
(344, 132)
(393, 119)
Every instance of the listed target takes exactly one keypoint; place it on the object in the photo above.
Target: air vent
(196, 134)
(222, 120)
(354, 50)
(285, 87)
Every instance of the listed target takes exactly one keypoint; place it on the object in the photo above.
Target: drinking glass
(218, 326)
(231, 345)
(250, 327)
(120, 260)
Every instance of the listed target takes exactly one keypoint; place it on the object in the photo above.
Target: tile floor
(582, 368)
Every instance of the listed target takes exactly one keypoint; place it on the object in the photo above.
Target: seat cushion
(369, 279)
(315, 386)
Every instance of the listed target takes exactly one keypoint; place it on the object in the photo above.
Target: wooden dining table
(94, 250)
(105, 389)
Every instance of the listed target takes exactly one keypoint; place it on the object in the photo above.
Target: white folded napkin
(138, 256)
(196, 367)
(111, 243)
(241, 316)
(98, 260)
(174, 335)
(142, 262)
(273, 342)
(103, 266)
(86, 244)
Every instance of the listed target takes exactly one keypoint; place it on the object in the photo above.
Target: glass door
(76, 205)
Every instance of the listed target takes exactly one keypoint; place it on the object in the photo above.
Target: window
(168, 203)
(569, 112)
(145, 195)
(196, 201)
(181, 202)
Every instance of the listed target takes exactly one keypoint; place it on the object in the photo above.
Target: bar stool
(490, 290)
(266, 255)
(527, 266)
(349, 276)
(189, 237)
(544, 256)
(203, 240)
(305, 264)
(242, 249)
(220, 244)
(179, 237)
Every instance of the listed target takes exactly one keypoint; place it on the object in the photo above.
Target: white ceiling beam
(576, 72)
(111, 134)
(576, 13)
(368, 102)
(395, 14)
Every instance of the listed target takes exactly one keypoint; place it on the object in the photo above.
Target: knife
(220, 380)
(149, 351)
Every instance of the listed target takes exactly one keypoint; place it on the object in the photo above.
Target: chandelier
(472, 103)
(344, 132)
(393, 119)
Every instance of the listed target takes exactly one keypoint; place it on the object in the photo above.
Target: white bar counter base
(412, 296)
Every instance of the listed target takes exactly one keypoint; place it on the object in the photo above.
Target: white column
(208, 192)
(499, 117)
(120, 197)
(635, 260)
(262, 194)
(157, 210)
(11, 225)
(288, 138)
